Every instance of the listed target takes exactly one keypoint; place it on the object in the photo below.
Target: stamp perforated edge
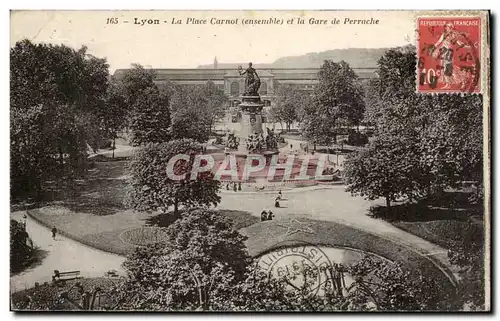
(484, 79)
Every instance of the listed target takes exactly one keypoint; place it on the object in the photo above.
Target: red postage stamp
(448, 55)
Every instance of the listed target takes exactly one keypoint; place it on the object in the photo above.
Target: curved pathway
(62, 254)
(332, 203)
(328, 203)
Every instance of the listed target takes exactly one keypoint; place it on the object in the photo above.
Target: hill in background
(356, 57)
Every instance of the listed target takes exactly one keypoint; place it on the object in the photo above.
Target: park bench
(65, 276)
(111, 273)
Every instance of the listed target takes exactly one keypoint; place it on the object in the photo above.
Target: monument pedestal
(251, 115)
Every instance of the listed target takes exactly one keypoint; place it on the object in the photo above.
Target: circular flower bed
(143, 236)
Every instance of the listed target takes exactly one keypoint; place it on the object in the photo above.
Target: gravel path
(61, 254)
(334, 204)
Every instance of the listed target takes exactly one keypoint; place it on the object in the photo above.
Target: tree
(289, 102)
(467, 252)
(134, 82)
(201, 260)
(393, 287)
(387, 168)
(337, 103)
(150, 119)
(445, 129)
(144, 105)
(152, 187)
(215, 103)
(195, 109)
(59, 92)
(31, 158)
(185, 274)
(20, 251)
(190, 124)
(115, 114)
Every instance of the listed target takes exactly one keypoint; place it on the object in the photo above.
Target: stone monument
(251, 110)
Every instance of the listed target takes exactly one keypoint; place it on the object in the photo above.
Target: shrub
(356, 138)
(201, 257)
(21, 250)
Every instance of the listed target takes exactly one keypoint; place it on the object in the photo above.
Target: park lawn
(270, 235)
(440, 232)
(439, 221)
(92, 211)
(240, 219)
(103, 232)
(101, 192)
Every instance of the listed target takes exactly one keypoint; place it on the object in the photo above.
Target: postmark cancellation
(449, 54)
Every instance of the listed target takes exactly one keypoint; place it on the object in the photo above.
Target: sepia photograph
(250, 161)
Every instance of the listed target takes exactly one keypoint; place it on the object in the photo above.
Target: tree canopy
(151, 188)
(337, 102)
(57, 98)
(441, 133)
(288, 105)
(195, 109)
(203, 264)
(199, 263)
(150, 118)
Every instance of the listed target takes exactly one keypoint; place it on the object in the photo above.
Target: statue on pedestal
(252, 81)
(232, 141)
(271, 139)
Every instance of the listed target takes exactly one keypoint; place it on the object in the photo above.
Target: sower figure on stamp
(445, 48)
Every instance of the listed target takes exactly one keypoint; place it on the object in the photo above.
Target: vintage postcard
(250, 161)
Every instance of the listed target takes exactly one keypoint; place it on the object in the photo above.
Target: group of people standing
(235, 187)
(268, 215)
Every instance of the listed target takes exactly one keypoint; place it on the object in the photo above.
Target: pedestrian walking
(24, 221)
(54, 231)
(277, 202)
(234, 187)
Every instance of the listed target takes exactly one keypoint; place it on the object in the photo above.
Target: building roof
(219, 74)
(262, 73)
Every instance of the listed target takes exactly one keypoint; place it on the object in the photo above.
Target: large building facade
(230, 81)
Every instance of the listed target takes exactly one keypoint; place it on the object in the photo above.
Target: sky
(170, 45)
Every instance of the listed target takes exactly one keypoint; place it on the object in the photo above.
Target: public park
(135, 189)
